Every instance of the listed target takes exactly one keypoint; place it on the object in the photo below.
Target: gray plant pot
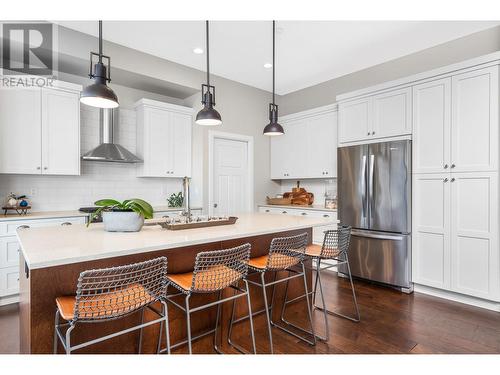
(122, 221)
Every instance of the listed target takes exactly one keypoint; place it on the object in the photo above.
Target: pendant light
(208, 116)
(273, 128)
(98, 94)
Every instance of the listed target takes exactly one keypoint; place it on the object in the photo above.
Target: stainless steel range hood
(109, 151)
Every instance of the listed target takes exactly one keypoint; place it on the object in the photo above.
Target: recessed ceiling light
(268, 65)
(198, 51)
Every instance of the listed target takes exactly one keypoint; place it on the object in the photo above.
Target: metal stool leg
(68, 339)
(252, 333)
(56, 338)
(355, 319)
(325, 314)
(167, 330)
(267, 312)
(188, 324)
(140, 331)
(217, 319)
(286, 302)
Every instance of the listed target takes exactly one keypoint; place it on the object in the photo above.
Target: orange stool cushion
(213, 278)
(104, 305)
(278, 261)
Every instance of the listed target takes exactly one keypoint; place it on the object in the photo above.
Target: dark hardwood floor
(391, 322)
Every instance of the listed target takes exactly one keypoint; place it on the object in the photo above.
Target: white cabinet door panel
(321, 136)
(432, 126)
(20, 131)
(431, 230)
(355, 120)
(60, 132)
(181, 132)
(159, 143)
(9, 281)
(474, 136)
(392, 113)
(279, 156)
(9, 252)
(474, 234)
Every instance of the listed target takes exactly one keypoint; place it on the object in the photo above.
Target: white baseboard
(7, 300)
(457, 297)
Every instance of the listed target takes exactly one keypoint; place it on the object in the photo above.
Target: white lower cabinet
(318, 232)
(10, 249)
(455, 233)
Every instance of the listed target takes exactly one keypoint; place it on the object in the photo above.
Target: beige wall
(461, 49)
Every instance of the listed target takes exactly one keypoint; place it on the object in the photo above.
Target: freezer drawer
(381, 257)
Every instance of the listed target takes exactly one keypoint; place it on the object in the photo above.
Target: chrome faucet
(187, 203)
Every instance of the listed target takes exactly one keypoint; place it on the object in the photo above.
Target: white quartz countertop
(59, 245)
(72, 213)
(297, 207)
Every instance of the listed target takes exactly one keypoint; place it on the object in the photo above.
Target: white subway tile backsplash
(97, 180)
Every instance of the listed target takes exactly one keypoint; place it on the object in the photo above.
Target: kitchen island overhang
(53, 257)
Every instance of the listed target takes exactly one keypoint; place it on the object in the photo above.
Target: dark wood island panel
(39, 288)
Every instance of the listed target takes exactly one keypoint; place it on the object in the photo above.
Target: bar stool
(111, 293)
(284, 254)
(335, 247)
(213, 272)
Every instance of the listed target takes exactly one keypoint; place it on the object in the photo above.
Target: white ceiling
(307, 52)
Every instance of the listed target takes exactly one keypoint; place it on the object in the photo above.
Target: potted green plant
(126, 216)
(175, 200)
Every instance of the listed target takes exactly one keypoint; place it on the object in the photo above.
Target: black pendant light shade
(273, 128)
(208, 116)
(98, 94)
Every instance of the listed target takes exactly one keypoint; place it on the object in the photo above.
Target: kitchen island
(52, 258)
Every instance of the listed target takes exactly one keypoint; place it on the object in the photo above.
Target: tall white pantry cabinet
(455, 183)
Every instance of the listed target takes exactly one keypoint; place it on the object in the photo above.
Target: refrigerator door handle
(391, 237)
(370, 184)
(363, 187)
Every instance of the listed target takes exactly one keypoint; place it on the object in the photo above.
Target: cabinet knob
(453, 179)
(23, 227)
(325, 215)
(267, 210)
(453, 166)
(446, 179)
(38, 168)
(368, 133)
(446, 166)
(66, 223)
(373, 133)
(304, 213)
(284, 212)
(45, 168)
(326, 172)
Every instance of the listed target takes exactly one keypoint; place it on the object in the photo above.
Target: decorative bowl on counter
(122, 221)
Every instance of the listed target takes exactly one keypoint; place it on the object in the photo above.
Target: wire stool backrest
(111, 293)
(336, 242)
(216, 270)
(286, 252)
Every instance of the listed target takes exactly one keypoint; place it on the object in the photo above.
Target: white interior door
(231, 193)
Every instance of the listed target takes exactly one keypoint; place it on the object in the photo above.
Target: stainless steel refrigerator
(374, 195)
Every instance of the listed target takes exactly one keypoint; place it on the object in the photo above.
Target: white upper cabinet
(60, 132)
(308, 149)
(322, 146)
(392, 113)
(40, 130)
(474, 135)
(432, 126)
(163, 139)
(378, 116)
(355, 121)
(20, 131)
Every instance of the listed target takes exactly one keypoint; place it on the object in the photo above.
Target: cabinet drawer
(9, 228)
(9, 281)
(9, 252)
